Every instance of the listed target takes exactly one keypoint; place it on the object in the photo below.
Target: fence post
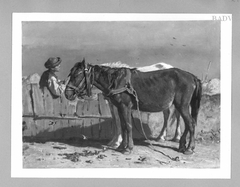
(27, 109)
(38, 109)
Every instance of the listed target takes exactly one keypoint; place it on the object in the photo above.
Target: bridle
(87, 80)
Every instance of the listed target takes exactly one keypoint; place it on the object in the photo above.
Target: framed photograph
(78, 138)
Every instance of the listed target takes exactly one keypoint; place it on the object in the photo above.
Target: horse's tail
(196, 99)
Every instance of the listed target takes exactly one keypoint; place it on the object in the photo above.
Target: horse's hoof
(126, 151)
(113, 146)
(182, 149)
(188, 152)
(105, 148)
(120, 149)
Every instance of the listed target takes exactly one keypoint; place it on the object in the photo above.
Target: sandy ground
(91, 154)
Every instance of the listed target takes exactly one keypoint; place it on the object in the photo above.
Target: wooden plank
(80, 108)
(86, 122)
(27, 109)
(63, 112)
(64, 106)
(53, 116)
(60, 107)
(58, 125)
(38, 106)
(70, 129)
(108, 127)
(48, 111)
(73, 126)
(57, 130)
(68, 117)
(57, 106)
(48, 102)
(78, 129)
(37, 100)
(93, 108)
(104, 109)
(72, 108)
(26, 99)
(30, 130)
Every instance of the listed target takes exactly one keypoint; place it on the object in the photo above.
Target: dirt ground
(92, 154)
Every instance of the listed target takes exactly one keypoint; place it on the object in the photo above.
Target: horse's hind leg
(177, 135)
(189, 127)
(182, 142)
(163, 133)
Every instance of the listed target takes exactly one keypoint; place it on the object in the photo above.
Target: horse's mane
(117, 64)
(157, 66)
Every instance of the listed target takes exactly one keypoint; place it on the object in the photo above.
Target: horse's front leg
(163, 133)
(117, 132)
(129, 128)
(126, 119)
(124, 142)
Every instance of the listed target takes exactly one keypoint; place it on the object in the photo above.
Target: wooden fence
(45, 117)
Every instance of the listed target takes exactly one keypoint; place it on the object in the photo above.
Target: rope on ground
(134, 93)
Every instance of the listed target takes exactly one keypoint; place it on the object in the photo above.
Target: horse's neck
(101, 79)
(99, 86)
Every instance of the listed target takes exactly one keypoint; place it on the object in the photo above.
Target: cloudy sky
(189, 45)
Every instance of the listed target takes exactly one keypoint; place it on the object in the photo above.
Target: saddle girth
(121, 84)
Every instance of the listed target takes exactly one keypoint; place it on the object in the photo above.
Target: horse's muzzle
(70, 94)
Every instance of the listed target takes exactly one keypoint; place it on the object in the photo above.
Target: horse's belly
(155, 104)
(153, 107)
(154, 93)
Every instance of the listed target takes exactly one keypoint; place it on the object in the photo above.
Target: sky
(188, 45)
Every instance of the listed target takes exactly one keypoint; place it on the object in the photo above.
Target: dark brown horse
(147, 91)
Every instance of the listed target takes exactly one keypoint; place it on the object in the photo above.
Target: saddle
(121, 82)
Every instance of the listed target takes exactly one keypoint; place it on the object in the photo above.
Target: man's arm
(55, 88)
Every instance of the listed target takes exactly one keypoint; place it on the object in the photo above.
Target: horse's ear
(84, 63)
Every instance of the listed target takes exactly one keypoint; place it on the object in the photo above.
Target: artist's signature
(222, 18)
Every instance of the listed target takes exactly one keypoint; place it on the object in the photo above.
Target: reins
(134, 93)
(76, 88)
(87, 80)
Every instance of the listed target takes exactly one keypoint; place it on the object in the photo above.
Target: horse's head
(79, 81)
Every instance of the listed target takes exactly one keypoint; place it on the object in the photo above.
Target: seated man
(49, 78)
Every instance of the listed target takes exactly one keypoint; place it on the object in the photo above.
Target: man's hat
(52, 62)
